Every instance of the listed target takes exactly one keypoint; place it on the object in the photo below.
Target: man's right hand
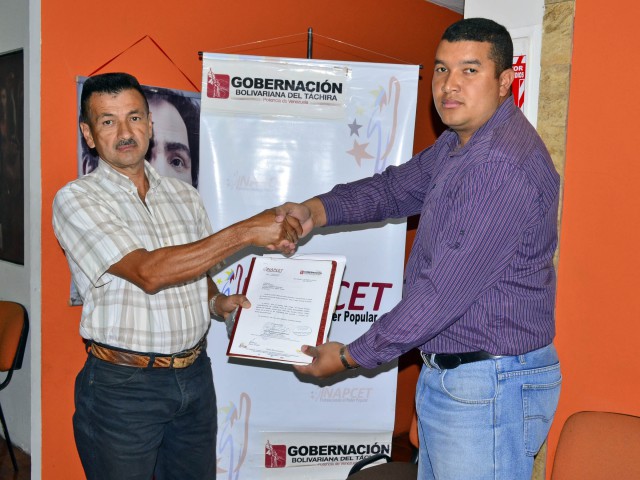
(265, 231)
(310, 214)
(298, 211)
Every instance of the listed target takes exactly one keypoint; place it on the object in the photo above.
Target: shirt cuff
(362, 354)
(332, 207)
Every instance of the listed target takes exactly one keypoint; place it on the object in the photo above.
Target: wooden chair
(598, 446)
(14, 329)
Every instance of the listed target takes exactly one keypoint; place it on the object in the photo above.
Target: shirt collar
(107, 171)
(503, 113)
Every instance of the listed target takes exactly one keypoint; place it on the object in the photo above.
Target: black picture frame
(12, 178)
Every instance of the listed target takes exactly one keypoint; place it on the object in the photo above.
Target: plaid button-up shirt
(98, 219)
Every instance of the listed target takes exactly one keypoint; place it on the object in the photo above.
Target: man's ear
(506, 79)
(86, 133)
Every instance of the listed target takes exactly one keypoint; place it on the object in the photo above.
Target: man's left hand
(227, 304)
(326, 360)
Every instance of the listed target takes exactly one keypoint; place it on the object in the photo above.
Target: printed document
(292, 303)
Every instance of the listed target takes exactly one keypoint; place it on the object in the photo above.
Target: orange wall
(598, 312)
(78, 40)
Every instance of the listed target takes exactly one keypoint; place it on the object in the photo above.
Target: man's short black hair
(112, 83)
(484, 30)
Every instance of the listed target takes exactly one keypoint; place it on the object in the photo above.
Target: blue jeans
(486, 419)
(136, 423)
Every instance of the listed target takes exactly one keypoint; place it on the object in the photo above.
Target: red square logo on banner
(217, 85)
(275, 456)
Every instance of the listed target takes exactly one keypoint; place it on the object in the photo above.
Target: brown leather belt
(127, 358)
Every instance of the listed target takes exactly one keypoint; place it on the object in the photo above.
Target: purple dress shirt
(480, 275)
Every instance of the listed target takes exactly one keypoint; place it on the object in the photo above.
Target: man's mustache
(126, 142)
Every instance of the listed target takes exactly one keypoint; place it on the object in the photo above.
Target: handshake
(280, 228)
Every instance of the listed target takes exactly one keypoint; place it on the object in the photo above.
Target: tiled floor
(6, 467)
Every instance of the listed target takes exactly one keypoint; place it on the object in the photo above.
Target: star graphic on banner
(359, 151)
(354, 127)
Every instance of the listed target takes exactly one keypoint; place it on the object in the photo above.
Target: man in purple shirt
(479, 291)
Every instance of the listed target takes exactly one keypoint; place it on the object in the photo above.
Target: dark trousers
(140, 423)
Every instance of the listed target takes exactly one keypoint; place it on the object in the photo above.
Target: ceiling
(455, 5)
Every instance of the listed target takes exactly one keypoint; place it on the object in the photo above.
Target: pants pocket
(539, 403)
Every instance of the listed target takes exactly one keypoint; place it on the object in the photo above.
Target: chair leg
(540, 463)
(8, 439)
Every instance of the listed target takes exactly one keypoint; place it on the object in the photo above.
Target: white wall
(523, 19)
(21, 399)
(32, 105)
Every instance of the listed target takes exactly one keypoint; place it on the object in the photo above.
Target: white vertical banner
(275, 130)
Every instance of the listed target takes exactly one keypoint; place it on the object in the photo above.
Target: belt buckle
(448, 361)
(426, 359)
(186, 358)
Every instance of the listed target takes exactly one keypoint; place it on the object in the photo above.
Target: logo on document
(275, 456)
(310, 272)
(217, 85)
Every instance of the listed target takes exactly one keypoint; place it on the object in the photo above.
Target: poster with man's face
(174, 148)
(175, 145)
